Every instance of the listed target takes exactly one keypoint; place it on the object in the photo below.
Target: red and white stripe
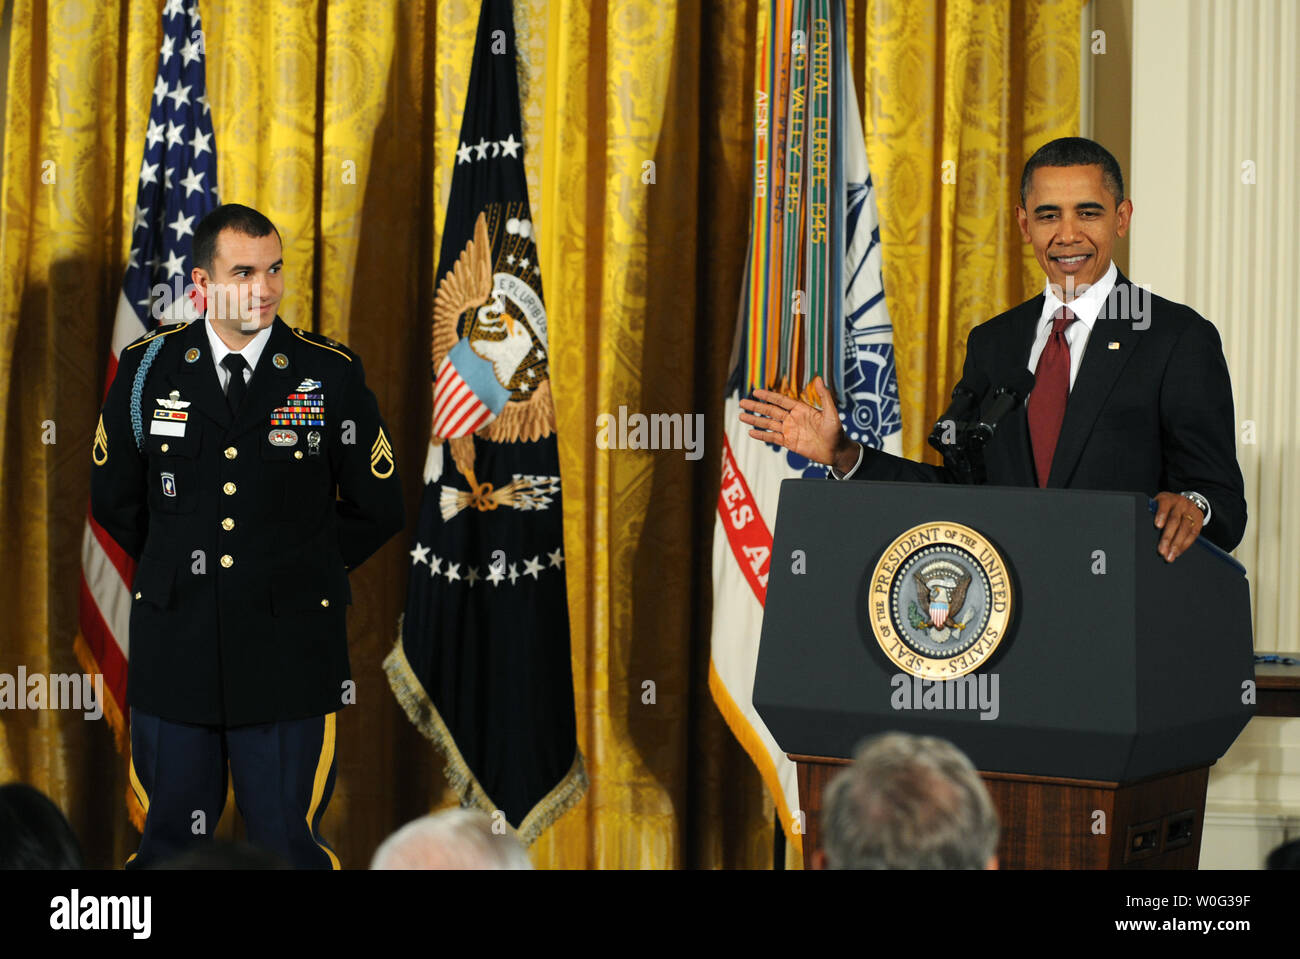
(457, 411)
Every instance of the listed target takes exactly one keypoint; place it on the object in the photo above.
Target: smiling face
(245, 284)
(1072, 221)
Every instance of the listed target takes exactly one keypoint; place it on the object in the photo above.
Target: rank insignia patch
(169, 484)
(99, 452)
(381, 456)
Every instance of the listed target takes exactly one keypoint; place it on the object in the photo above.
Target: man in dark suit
(245, 467)
(1131, 391)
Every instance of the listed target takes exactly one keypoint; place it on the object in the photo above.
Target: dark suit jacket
(243, 530)
(1150, 414)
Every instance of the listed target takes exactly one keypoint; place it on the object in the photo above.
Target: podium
(1116, 680)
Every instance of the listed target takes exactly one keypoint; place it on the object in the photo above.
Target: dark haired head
(1075, 151)
(33, 832)
(221, 854)
(228, 216)
(1285, 856)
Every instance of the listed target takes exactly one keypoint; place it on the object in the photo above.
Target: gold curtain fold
(340, 121)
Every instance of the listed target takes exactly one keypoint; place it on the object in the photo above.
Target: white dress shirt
(1085, 308)
(251, 353)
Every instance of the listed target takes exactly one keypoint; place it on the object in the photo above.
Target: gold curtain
(340, 121)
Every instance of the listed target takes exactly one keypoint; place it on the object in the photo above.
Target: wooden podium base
(1052, 823)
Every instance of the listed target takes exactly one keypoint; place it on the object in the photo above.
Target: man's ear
(199, 282)
(1022, 220)
(1123, 214)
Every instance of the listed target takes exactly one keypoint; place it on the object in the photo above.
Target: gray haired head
(451, 839)
(908, 802)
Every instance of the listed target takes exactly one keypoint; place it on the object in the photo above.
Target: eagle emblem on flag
(490, 348)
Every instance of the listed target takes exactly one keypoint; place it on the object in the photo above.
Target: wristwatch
(1201, 502)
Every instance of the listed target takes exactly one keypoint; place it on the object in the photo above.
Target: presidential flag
(481, 664)
(812, 303)
(178, 187)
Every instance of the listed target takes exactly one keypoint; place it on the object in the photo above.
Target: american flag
(178, 187)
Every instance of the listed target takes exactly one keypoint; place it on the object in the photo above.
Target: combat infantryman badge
(939, 600)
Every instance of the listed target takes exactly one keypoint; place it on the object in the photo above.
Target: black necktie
(236, 388)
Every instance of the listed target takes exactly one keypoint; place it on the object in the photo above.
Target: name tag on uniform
(168, 422)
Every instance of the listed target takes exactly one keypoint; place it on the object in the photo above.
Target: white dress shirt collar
(251, 352)
(1086, 306)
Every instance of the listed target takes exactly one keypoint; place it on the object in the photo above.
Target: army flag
(481, 664)
(177, 188)
(812, 303)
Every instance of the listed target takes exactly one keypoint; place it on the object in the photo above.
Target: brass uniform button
(229, 489)
(297, 454)
(137, 595)
(227, 562)
(227, 523)
(324, 602)
(164, 447)
(231, 452)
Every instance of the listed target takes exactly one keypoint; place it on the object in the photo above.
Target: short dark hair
(34, 834)
(1075, 151)
(228, 216)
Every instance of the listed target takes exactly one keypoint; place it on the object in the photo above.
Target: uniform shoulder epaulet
(154, 334)
(324, 342)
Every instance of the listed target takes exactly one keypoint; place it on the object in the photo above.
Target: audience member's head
(1285, 856)
(33, 832)
(222, 854)
(451, 839)
(908, 802)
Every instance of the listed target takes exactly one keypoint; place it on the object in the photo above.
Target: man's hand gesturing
(811, 432)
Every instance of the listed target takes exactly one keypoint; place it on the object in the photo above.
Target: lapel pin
(280, 360)
(191, 354)
(1113, 345)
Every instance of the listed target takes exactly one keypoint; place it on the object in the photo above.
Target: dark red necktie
(1051, 390)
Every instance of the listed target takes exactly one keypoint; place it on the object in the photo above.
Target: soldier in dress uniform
(245, 467)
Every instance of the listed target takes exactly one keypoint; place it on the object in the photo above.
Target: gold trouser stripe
(138, 788)
(318, 786)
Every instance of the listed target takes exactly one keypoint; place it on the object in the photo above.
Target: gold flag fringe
(422, 713)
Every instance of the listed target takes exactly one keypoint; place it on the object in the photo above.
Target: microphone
(1006, 399)
(966, 396)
